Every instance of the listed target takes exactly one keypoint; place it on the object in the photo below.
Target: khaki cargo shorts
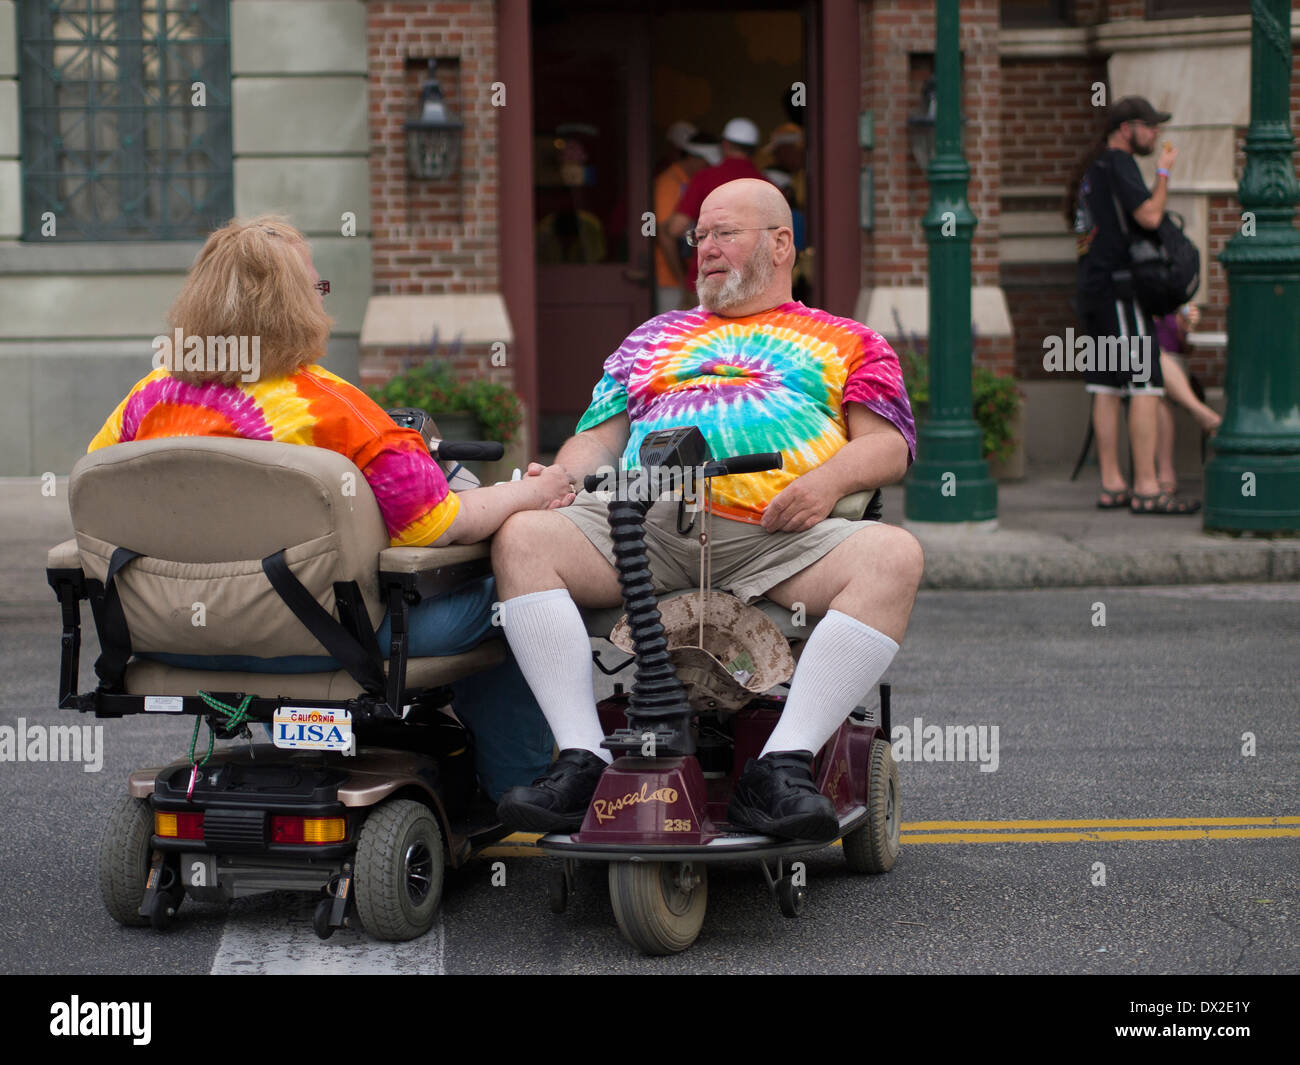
(747, 559)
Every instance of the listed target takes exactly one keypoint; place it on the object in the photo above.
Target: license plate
(311, 728)
(199, 870)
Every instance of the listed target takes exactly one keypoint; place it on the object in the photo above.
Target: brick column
(434, 238)
(898, 57)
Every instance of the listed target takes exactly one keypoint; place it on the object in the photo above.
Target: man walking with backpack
(1109, 203)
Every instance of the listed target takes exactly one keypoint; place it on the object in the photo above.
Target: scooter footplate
(728, 847)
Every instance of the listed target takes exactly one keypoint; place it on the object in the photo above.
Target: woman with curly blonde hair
(249, 328)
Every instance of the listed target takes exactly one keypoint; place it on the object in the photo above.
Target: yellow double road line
(1102, 830)
(1099, 830)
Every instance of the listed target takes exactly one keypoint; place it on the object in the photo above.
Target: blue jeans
(512, 740)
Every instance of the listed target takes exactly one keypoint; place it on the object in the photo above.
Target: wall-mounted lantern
(920, 127)
(433, 137)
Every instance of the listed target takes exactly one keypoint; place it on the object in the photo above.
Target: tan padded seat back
(205, 511)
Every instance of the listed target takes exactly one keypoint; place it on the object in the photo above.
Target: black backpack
(1166, 267)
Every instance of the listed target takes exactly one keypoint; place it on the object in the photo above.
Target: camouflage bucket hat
(744, 653)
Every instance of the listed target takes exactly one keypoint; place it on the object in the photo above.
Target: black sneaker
(556, 801)
(776, 796)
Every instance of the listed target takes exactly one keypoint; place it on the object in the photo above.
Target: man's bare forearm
(866, 462)
(1150, 212)
(584, 454)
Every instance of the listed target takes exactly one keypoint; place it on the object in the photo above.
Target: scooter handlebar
(759, 463)
(467, 450)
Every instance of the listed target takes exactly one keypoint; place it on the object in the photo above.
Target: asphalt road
(1142, 718)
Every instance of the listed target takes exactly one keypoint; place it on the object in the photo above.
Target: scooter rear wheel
(659, 906)
(399, 868)
(873, 848)
(124, 860)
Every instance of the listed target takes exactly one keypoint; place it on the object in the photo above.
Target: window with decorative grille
(125, 118)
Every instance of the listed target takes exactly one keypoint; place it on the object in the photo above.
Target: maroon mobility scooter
(696, 712)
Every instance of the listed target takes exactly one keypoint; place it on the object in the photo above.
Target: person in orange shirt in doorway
(694, 151)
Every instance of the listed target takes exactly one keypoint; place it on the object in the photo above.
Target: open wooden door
(592, 182)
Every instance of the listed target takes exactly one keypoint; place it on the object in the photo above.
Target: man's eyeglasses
(323, 287)
(696, 237)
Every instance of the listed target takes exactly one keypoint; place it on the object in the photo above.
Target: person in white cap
(739, 141)
(691, 150)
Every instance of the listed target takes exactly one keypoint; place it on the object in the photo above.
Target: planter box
(1012, 468)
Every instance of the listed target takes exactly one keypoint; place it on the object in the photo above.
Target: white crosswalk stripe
(283, 943)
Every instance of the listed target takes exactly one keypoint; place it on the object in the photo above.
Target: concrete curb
(1017, 559)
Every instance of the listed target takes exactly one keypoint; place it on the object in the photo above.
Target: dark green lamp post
(949, 482)
(1253, 482)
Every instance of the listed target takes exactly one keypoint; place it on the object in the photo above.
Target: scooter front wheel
(873, 848)
(659, 906)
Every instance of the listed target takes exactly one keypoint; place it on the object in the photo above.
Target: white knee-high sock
(550, 643)
(843, 660)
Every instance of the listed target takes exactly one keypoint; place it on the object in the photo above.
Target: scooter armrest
(852, 506)
(433, 571)
(65, 556)
(424, 559)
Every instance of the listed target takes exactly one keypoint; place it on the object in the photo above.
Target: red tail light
(308, 829)
(178, 826)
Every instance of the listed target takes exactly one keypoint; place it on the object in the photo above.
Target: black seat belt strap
(114, 636)
(350, 654)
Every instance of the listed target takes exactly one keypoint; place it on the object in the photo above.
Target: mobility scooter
(697, 711)
(231, 547)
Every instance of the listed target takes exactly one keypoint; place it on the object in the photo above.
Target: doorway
(607, 83)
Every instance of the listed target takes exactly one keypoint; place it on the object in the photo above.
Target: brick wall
(898, 39)
(1047, 118)
(898, 42)
(1087, 12)
(432, 237)
(467, 361)
(1040, 297)
(1039, 95)
(1114, 10)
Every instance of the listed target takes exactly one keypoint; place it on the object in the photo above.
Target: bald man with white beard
(755, 371)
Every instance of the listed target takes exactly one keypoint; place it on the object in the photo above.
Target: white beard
(740, 286)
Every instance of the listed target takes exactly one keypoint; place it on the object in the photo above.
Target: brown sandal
(1116, 500)
(1163, 503)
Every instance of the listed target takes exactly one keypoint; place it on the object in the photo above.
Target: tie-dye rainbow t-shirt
(775, 381)
(312, 407)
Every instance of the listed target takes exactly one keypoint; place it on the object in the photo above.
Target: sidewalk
(1049, 534)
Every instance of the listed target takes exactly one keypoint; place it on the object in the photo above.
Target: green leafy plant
(996, 402)
(995, 399)
(433, 386)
